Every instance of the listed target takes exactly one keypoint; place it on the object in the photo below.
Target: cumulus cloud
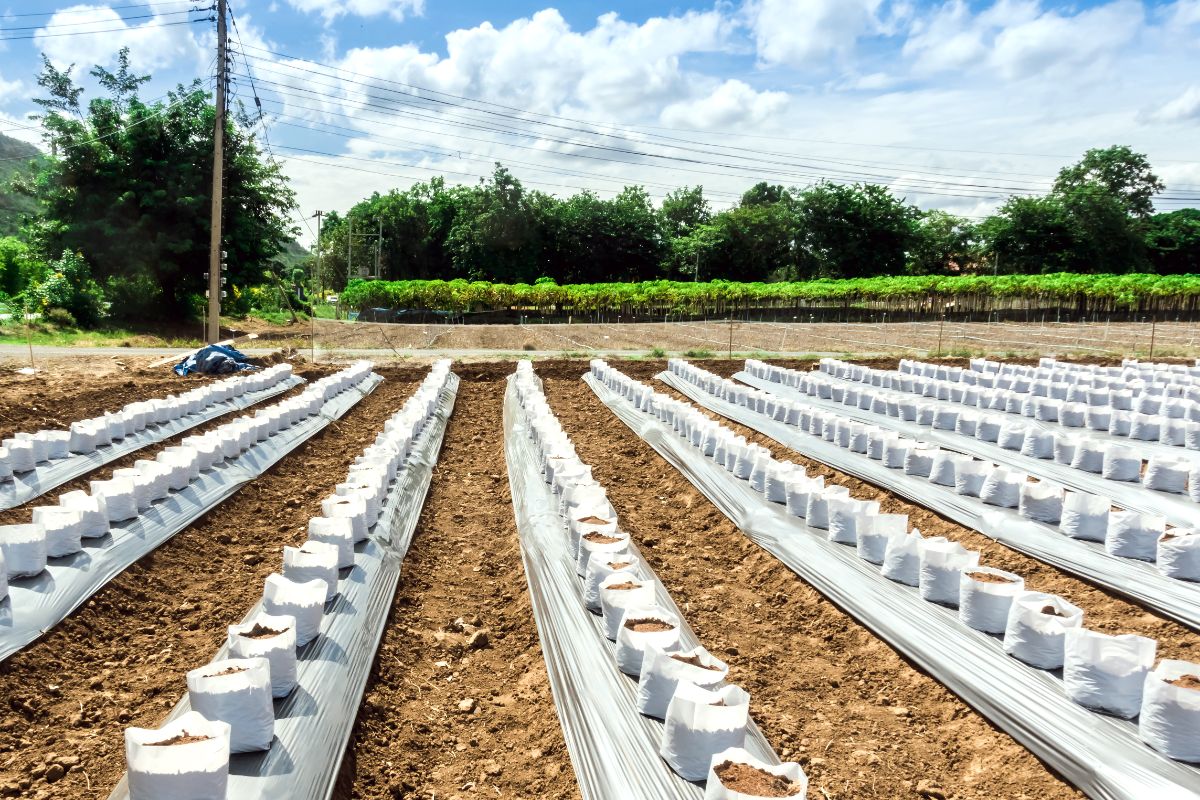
(332, 9)
(733, 103)
(1184, 108)
(151, 45)
(801, 33)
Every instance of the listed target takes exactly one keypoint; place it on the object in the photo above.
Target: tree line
(1098, 218)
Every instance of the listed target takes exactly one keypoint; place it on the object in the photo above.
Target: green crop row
(1118, 291)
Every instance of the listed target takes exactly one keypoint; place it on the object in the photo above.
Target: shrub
(658, 352)
(61, 318)
(699, 354)
(133, 298)
(68, 285)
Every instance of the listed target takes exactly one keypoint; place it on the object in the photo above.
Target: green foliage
(942, 243)
(851, 231)
(19, 165)
(1173, 241)
(68, 285)
(1117, 172)
(129, 185)
(61, 318)
(719, 297)
(18, 266)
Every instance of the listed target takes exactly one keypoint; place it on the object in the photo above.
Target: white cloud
(1053, 42)
(801, 33)
(152, 45)
(332, 9)
(1183, 108)
(733, 103)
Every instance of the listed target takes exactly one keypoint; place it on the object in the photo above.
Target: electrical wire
(156, 15)
(107, 30)
(91, 10)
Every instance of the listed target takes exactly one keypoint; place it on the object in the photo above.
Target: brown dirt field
(825, 691)
(440, 718)
(120, 660)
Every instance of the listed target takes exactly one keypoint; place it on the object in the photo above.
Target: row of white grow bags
(1114, 451)
(280, 696)
(577, 554)
(1099, 753)
(951, 487)
(1153, 422)
(1129, 369)
(68, 551)
(1102, 386)
(1027, 516)
(32, 464)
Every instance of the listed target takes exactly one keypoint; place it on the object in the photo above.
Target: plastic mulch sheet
(1178, 509)
(38, 603)
(30, 485)
(313, 723)
(1137, 580)
(613, 748)
(1100, 755)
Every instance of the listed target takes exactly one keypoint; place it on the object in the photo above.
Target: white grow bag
(942, 565)
(902, 558)
(1085, 516)
(1133, 535)
(632, 643)
(272, 638)
(697, 728)
(985, 596)
(634, 592)
(793, 780)
(1179, 554)
(197, 770)
(313, 561)
(236, 691)
(24, 548)
(663, 669)
(1170, 715)
(304, 601)
(1036, 636)
(1107, 673)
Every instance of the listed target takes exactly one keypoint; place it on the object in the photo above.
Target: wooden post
(215, 262)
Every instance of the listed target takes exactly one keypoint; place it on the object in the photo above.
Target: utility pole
(216, 259)
(320, 286)
(379, 250)
(349, 246)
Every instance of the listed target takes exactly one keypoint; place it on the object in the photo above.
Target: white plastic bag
(818, 505)
(969, 476)
(942, 565)
(919, 460)
(848, 517)
(1089, 456)
(1133, 535)
(24, 548)
(621, 591)
(272, 638)
(1002, 488)
(798, 490)
(62, 526)
(985, 596)
(596, 542)
(338, 531)
(1107, 673)
(1085, 516)
(120, 498)
(1041, 501)
(873, 540)
(311, 560)
(236, 691)
(304, 601)
(1167, 474)
(700, 724)
(944, 468)
(1170, 713)
(1179, 554)
(902, 559)
(730, 766)
(1121, 463)
(639, 628)
(1036, 629)
(664, 668)
(187, 759)
(601, 566)
(351, 508)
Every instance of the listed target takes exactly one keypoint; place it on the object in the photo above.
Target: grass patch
(45, 335)
(658, 352)
(698, 354)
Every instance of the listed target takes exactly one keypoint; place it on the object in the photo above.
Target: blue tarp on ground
(215, 359)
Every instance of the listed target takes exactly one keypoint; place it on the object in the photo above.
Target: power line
(89, 10)
(104, 21)
(107, 30)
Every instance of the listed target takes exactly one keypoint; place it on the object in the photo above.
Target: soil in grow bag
(1186, 682)
(227, 671)
(600, 538)
(1053, 612)
(748, 780)
(648, 625)
(261, 632)
(987, 577)
(623, 586)
(594, 520)
(183, 737)
(695, 661)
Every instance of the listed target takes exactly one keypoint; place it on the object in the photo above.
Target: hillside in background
(15, 158)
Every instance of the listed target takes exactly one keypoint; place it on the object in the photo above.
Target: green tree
(1117, 171)
(682, 210)
(19, 268)
(1173, 242)
(129, 186)
(493, 235)
(1030, 235)
(942, 243)
(765, 194)
(854, 231)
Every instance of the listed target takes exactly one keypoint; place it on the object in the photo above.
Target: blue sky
(953, 104)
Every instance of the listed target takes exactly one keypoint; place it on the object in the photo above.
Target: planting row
(1114, 674)
(1110, 460)
(1166, 419)
(286, 684)
(1115, 377)
(68, 551)
(33, 463)
(706, 732)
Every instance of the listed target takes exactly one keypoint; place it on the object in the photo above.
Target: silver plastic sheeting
(35, 605)
(1178, 509)
(35, 483)
(613, 748)
(1100, 755)
(1137, 580)
(313, 723)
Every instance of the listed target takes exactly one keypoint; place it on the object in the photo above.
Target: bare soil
(753, 781)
